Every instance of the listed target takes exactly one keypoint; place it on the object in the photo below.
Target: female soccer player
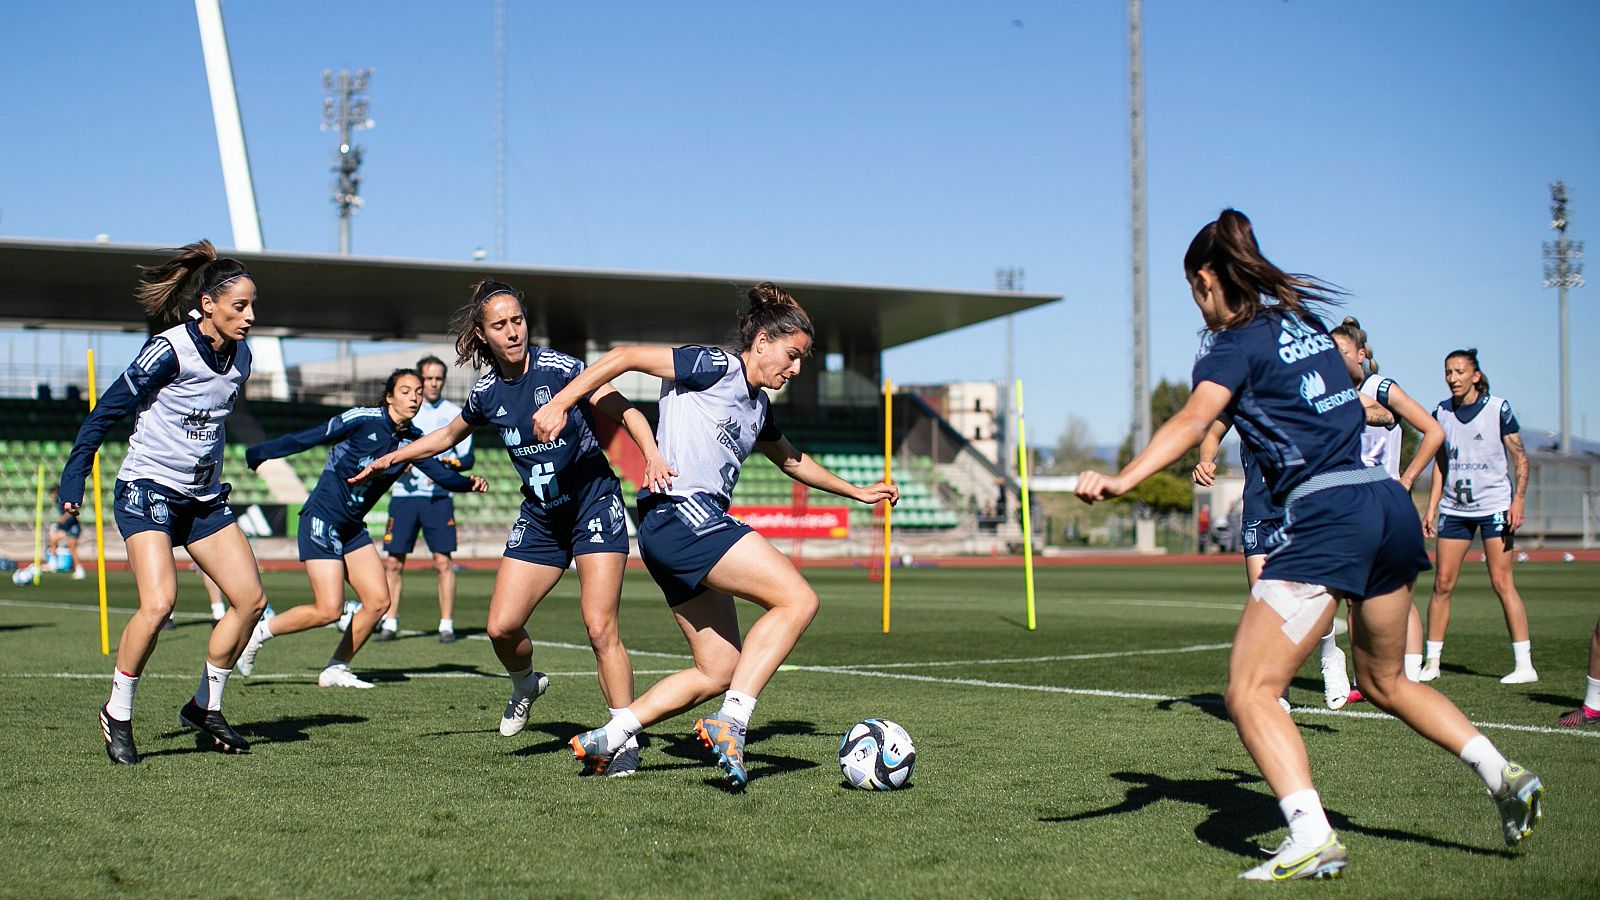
(182, 386)
(572, 503)
(334, 543)
(1470, 493)
(714, 411)
(1589, 712)
(1268, 363)
(1380, 446)
(63, 539)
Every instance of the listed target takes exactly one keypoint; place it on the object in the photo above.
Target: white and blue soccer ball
(350, 607)
(877, 755)
(25, 576)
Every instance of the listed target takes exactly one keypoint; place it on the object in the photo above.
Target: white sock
(1330, 647)
(1486, 761)
(122, 687)
(1413, 666)
(1308, 824)
(390, 623)
(336, 663)
(1591, 694)
(738, 706)
(522, 680)
(263, 631)
(212, 681)
(1522, 652)
(622, 727)
(447, 625)
(1435, 649)
(218, 610)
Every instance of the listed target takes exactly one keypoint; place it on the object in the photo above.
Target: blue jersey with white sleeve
(551, 472)
(358, 436)
(1293, 404)
(711, 419)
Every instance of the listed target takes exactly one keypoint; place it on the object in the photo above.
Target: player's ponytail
(1351, 330)
(467, 323)
(192, 271)
(773, 310)
(1471, 355)
(1228, 248)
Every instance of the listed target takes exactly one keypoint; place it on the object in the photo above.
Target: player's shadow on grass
(287, 730)
(1560, 701)
(1214, 706)
(24, 627)
(687, 747)
(391, 675)
(560, 733)
(1241, 817)
(1459, 669)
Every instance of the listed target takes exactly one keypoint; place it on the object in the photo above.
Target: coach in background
(417, 504)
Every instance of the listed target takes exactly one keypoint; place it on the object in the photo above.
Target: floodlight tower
(1144, 523)
(1563, 268)
(1009, 278)
(346, 112)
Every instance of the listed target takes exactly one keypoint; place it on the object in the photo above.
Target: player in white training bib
(181, 388)
(714, 412)
(1473, 492)
(1387, 405)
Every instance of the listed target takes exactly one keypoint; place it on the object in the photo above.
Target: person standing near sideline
(416, 503)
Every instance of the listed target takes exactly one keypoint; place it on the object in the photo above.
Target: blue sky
(1399, 150)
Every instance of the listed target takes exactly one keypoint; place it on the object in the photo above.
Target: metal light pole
(346, 112)
(1563, 268)
(1144, 523)
(1009, 278)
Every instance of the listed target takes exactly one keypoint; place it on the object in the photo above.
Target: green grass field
(1089, 758)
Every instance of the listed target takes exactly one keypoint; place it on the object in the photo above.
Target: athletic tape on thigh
(1300, 605)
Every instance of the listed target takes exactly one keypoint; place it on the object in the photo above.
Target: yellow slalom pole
(1027, 528)
(38, 527)
(888, 478)
(99, 527)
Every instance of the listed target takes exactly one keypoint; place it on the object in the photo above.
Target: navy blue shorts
(72, 531)
(143, 505)
(593, 521)
(681, 540)
(435, 517)
(1261, 535)
(321, 539)
(1361, 539)
(1454, 527)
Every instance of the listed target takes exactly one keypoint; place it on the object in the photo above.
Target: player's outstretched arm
(552, 417)
(429, 445)
(1184, 430)
(1412, 413)
(811, 473)
(657, 472)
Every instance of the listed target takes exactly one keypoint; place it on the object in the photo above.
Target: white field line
(307, 676)
(863, 671)
(999, 661)
(1130, 695)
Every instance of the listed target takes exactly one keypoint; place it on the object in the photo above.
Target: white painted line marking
(1111, 654)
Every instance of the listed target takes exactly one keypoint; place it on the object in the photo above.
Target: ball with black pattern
(877, 755)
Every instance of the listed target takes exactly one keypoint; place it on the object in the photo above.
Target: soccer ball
(350, 607)
(877, 755)
(25, 576)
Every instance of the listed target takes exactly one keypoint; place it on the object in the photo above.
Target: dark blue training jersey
(1293, 404)
(551, 472)
(359, 436)
(1258, 503)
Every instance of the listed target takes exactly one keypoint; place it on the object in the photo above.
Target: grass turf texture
(407, 789)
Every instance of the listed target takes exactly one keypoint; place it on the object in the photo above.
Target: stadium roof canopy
(62, 284)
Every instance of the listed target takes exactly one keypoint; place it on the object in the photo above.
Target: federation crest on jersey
(541, 395)
(511, 437)
(1312, 386)
(159, 511)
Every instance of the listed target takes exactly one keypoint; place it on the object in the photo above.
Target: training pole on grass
(888, 478)
(38, 527)
(1027, 525)
(99, 528)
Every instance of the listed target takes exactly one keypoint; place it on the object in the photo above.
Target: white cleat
(626, 762)
(340, 676)
(1335, 680)
(1430, 670)
(1521, 675)
(1292, 861)
(247, 659)
(515, 718)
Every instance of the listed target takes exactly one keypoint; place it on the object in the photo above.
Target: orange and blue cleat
(592, 749)
(725, 738)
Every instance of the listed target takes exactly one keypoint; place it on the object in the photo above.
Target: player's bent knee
(325, 616)
(1300, 605)
(394, 564)
(504, 631)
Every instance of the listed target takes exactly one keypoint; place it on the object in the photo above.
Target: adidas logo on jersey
(1293, 349)
(1477, 437)
(597, 539)
(373, 436)
(501, 411)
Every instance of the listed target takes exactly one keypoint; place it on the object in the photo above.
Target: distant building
(972, 408)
